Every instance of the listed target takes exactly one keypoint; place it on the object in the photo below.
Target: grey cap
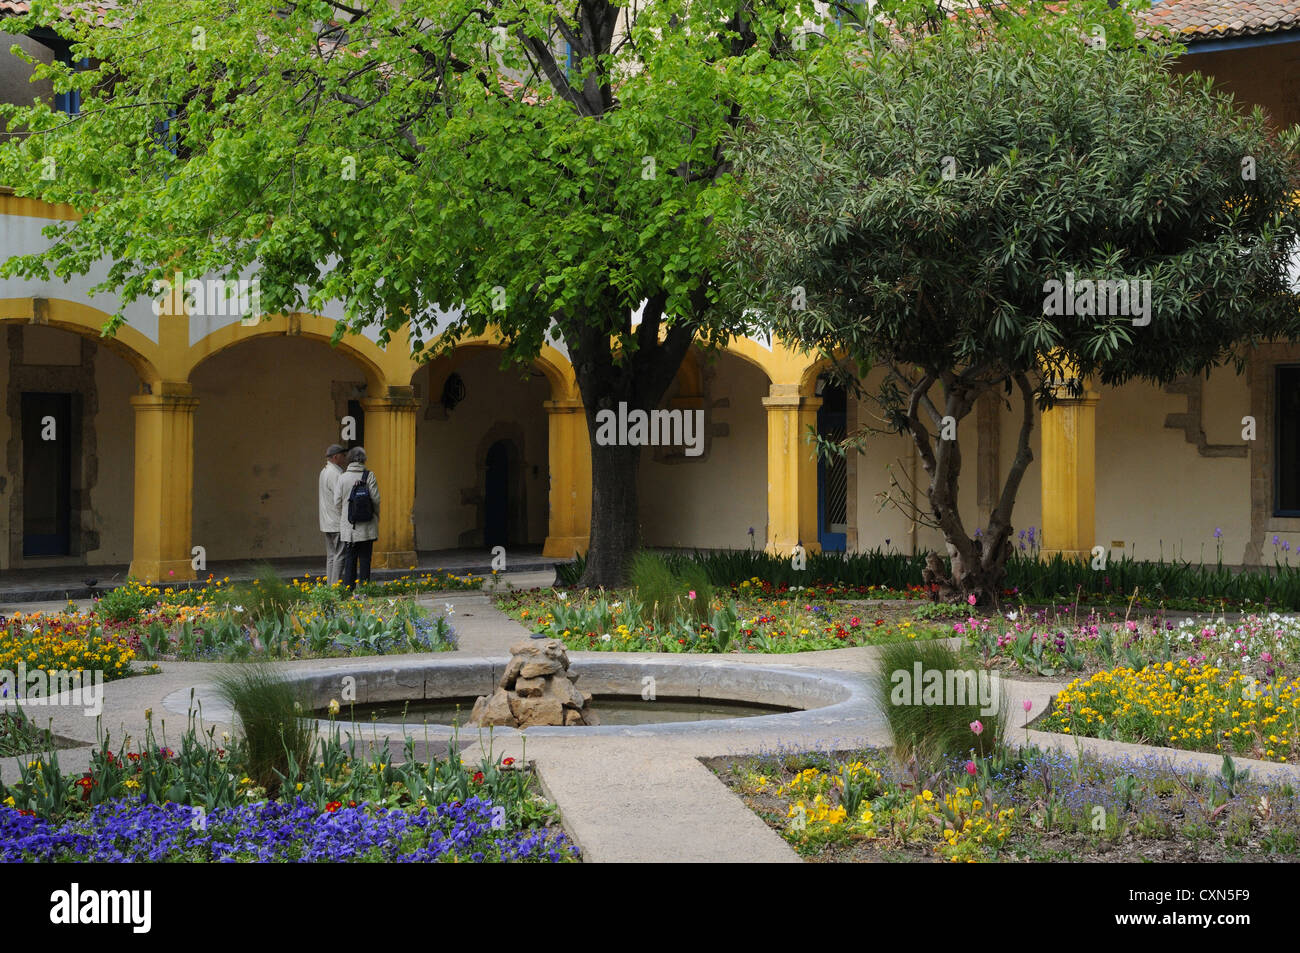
(333, 449)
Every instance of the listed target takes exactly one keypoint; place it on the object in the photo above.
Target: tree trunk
(615, 527)
(638, 383)
(976, 566)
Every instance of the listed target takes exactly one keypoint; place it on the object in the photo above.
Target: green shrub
(935, 732)
(276, 739)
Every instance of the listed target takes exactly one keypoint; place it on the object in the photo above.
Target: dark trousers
(356, 562)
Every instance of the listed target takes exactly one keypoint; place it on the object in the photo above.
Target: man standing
(358, 518)
(335, 458)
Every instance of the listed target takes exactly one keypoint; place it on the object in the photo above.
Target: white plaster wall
(1154, 490)
(264, 418)
(20, 234)
(713, 500)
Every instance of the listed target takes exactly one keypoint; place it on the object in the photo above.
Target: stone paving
(626, 795)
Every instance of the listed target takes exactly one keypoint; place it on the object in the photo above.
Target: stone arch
(137, 350)
(751, 352)
(374, 361)
(552, 363)
(812, 371)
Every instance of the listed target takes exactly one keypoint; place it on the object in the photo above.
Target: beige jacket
(329, 508)
(342, 487)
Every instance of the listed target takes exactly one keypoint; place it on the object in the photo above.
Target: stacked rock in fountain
(536, 689)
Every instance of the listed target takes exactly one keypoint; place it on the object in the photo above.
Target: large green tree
(545, 169)
(946, 204)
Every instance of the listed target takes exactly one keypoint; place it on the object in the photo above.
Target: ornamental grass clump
(669, 593)
(277, 739)
(937, 708)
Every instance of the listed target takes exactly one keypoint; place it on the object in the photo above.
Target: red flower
(478, 777)
(507, 761)
(333, 806)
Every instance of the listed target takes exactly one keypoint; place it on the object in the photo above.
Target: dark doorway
(47, 474)
(358, 414)
(496, 495)
(832, 476)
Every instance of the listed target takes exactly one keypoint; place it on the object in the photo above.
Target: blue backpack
(361, 507)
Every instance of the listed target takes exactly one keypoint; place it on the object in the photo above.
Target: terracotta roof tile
(1195, 20)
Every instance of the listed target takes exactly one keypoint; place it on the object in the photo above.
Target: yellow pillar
(791, 470)
(1069, 446)
(569, 461)
(390, 454)
(164, 483)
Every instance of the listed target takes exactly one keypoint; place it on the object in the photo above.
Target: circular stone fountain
(802, 700)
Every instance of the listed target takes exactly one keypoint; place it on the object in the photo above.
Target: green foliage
(671, 591)
(1110, 166)
(934, 732)
(20, 735)
(125, 603)
(277, 739)
(265, 600)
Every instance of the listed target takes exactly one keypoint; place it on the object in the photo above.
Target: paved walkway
(623, 798)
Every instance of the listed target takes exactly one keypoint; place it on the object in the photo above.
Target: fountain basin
(813, 698)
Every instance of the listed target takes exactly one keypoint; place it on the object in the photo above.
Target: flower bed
(789, 622)
(1263, 646)
(1183, 705)
(197, 803)
(280, 620)
(370, 627)
(129, 830)
(1032, 806)
(62, 642)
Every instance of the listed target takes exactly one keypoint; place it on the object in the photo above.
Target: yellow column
(569, 461)
(1070, 475)
(390, 453)
(791, 470)
(164, 483)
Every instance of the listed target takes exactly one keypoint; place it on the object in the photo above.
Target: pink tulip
(976, 727)
(970, 767)
(971, 599)
(691, 594)
(1028, 704)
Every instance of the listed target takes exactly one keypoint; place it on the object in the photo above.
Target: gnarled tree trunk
(976, 565)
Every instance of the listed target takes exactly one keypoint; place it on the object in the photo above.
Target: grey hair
(357, 455)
